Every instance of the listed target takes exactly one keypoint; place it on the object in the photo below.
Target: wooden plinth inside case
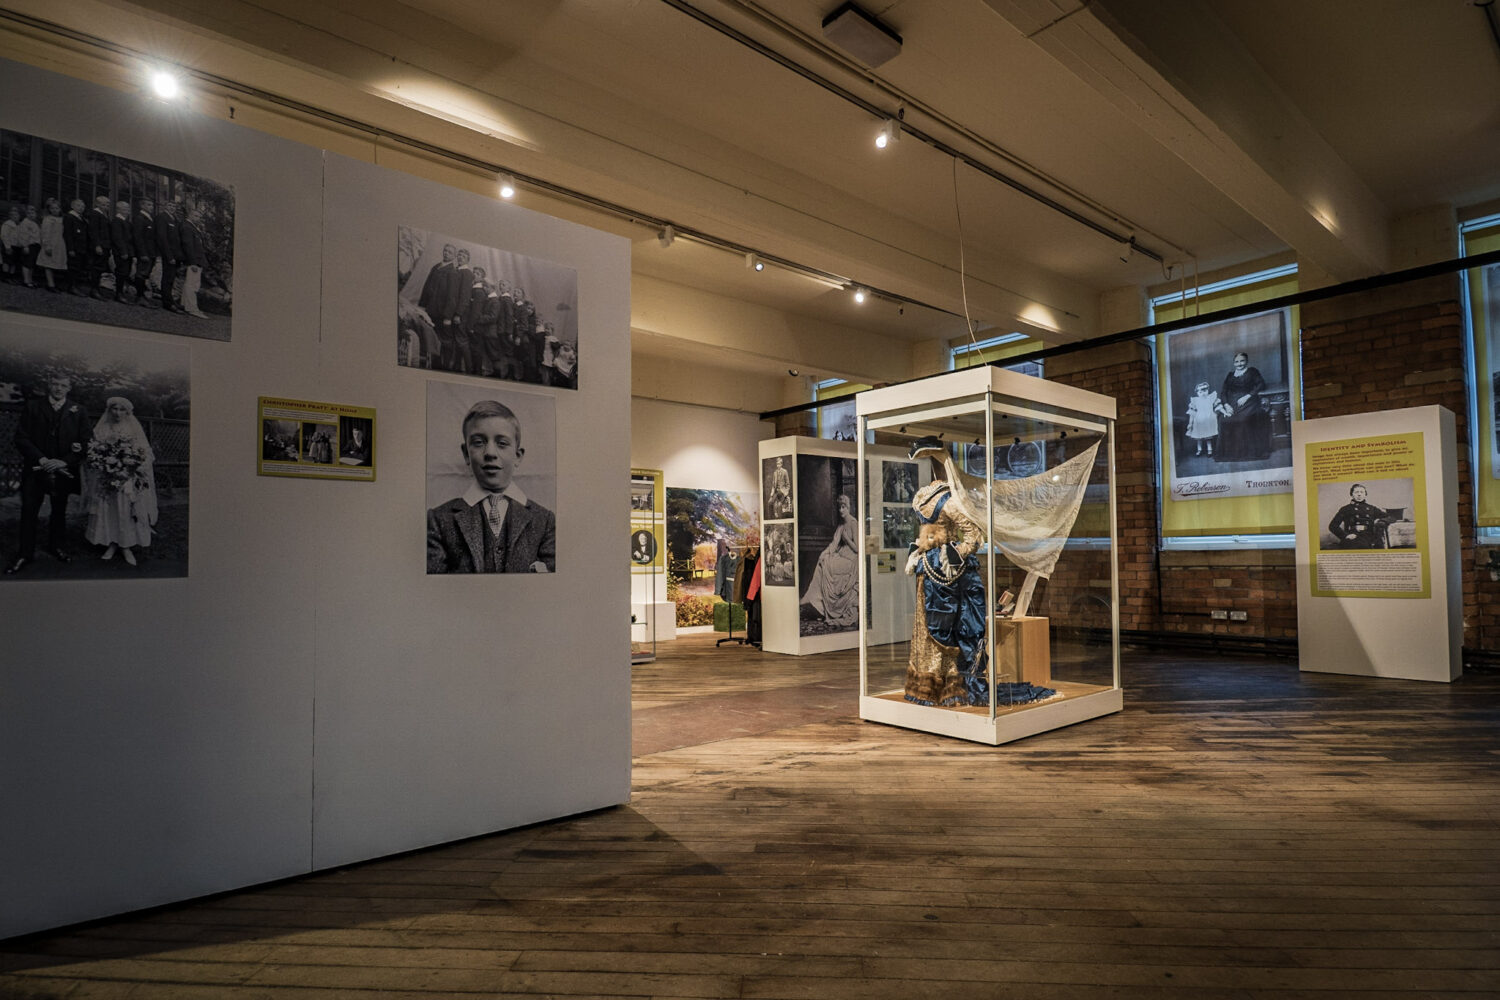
(1022, 650)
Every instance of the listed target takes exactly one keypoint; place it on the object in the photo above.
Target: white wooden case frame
(965, 392)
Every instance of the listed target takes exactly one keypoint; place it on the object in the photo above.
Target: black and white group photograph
(1367, 514)
(93, 456)
(898, 482)
(828, 545)
(777, 557)
(642, 496)
(1228, 391)
(898, 527)
(478, 310)
(99, 238)
(318, 442)
(280, 440)
(776, 488)
(491, 480)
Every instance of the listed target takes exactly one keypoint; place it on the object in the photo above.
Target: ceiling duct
(862, 35)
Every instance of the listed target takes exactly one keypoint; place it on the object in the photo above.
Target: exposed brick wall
(1124, 373)
(1396, 348)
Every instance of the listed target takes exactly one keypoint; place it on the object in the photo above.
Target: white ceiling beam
(1175, 70)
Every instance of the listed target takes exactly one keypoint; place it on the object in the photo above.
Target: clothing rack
(743, 640)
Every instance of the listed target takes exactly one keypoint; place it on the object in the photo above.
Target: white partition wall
(1378, 578)
(792, 620)
(307, 695)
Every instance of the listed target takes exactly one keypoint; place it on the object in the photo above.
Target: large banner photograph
(1227, 392)
(99, 238)
(478, 310)
(827, 544)
(491, 480)
(93, 456)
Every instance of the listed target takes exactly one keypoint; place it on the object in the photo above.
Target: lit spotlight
(754, 263)
(860, 294)
(890, 131)
(507, 186)
(166, 84)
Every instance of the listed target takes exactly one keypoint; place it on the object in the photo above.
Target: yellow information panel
(1367, 507)
(316, 440)
(648, 520)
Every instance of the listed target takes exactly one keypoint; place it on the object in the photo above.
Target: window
(1227, 393)
(837, 421)
(1482, 303)
(968, 354)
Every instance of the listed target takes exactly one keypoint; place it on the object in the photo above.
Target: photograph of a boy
(494, 527)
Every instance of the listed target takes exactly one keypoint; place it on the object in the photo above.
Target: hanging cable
(963, 283)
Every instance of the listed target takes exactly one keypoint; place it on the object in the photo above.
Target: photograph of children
(491, 480)
(279, 441)
(776, 488)
(317, 442)
(464, 307)
(356, 441)
(94, 466)
(899, 482)
(99, 238)
(1367, 514)
(1227, 389)
(778, 568)
(899, 528)
(828, 545)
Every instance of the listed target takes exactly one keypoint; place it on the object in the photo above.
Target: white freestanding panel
(890, 599)
(1405, 635)
(158, 738)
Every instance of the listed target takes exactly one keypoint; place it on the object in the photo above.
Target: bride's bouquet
(117, 466)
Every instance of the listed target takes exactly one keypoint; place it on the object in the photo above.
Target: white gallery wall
(698, 447)
(308, 696)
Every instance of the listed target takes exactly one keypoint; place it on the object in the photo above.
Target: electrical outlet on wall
(1238, 616)
(1218, 616)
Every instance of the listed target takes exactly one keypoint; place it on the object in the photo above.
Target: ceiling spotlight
(860, 294)
(793, 372)
(754, 263)
(667, 236)
(507, 186)
(166, 84)
(890, 131)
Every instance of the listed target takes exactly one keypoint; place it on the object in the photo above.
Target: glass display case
(1011, 560)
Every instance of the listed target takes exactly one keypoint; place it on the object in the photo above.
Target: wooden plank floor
(1239, 831)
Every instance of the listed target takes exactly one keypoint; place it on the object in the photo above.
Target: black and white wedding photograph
(477, 310)
(776, 488)
(93, 456)
(99, 238)
(827, 545)
(1227, 401)
(491, 480)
